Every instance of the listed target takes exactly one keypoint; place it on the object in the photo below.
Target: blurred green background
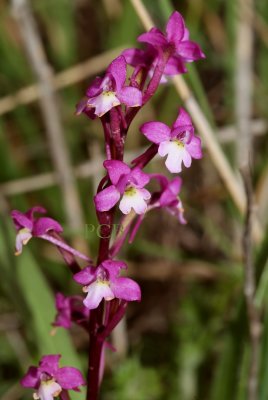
(188, 338)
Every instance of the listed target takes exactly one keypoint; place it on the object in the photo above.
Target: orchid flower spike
(127, 184)
(179, 143)
(49, 380)
(110, 91)
(103, 282)
(27, 226)
(176, 41)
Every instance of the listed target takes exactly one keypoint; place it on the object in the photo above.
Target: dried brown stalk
(243, 108)
(254, 320)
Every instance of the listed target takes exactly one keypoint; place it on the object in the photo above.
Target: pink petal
(48, 390)
(162, 179)
(187, 159)
(135, 57)
(35, 209)
(175, 155)
(116, 169)
(156, 132)
(173, 163)
(96, 292)
(186, 35)
(22, 238)
(118, 69)
(81, 106)
(135, 201)
(194, 147)
(31, 378)
(190, 51)
(130, 96)
(113, 267)
(183, 121)
(21, 220)
(154, 37)
(175, 27)
(145, 194)
(174, 66)
(60, 300)
(69, 378)
(107, 198)
(183, 133)
(103, 102)
(167, 198)
(86, 276)
(45, 224)
(63, 320)
(139, 178)
(125, 205)
(50, 364)
(170, 194)
(95, 88)
(63, 306)
(163, 148)
(126, 289)
(175, 185)
(180, 212)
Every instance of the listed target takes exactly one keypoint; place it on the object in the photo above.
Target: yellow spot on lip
(179, 143)
(108, 94)
(130, 191)
(85, 289)
(103, 282)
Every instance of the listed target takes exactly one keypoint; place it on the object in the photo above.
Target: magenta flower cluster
(123, 191)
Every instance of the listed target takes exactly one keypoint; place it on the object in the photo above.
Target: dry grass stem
(254, 320)
(243, 82)
(243, 110)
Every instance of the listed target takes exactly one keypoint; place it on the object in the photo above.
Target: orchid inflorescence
(116, 100)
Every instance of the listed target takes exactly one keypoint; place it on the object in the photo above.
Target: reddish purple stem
(115, 130)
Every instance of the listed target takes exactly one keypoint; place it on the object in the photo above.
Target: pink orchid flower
(69, 308)
(179, 143)
(110, 91)
(143, 58)
(103, 282)
(176, 40)
(169, 196)
(28, 226)
(127, 184)
(49, 380)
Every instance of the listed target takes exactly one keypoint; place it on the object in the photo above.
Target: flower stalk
(124, 189)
